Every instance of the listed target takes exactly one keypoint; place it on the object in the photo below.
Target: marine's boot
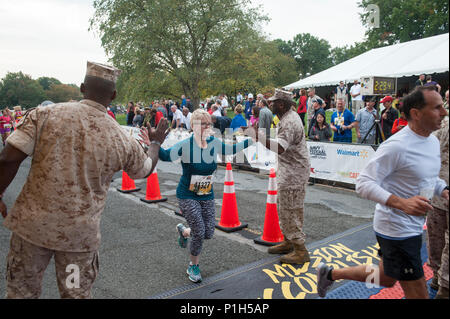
(300, 255)
(283, 248)
(435, 282)
(442, 293)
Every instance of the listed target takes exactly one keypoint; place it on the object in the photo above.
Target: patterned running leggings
(200, 216)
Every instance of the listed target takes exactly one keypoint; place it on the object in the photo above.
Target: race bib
(7, 126)
(201, 184)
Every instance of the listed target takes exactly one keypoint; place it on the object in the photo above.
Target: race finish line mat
(268, 279)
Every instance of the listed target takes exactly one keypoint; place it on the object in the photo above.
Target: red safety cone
(128, 185)
(229, 217)
(272, 233)
(153, 193)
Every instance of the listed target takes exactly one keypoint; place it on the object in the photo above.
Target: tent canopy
(429, 55)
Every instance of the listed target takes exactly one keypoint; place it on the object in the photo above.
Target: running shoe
(323, 283)
(194, 273)
(182, 241)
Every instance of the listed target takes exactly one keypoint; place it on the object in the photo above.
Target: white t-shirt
(355, 89)
(217, 113)
(178, 115)
(224, 102)
(405, 165)
(187, 120)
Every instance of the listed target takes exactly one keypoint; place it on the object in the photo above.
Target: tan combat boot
(435, 282)
(442, 293)
(283, 248)
(300, 255)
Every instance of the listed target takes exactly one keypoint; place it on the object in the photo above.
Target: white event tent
(428, 55)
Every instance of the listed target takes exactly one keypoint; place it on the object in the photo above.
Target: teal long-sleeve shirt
(198, 161)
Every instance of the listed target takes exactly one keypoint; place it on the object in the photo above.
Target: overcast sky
(51, 37)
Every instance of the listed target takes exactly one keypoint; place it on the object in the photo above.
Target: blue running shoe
(194, 273)
(182, 241)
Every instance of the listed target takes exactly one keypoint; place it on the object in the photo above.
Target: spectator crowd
(345, 116)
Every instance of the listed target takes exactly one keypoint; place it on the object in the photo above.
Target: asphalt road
(139, 254)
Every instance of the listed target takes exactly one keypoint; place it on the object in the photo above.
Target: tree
(254, 69)
(404, 20)
(20, 89)
(311, 53)
(144, 84)
(284, 47)
(46, 82)
(63, 93)
(342, 54)
(179, 37)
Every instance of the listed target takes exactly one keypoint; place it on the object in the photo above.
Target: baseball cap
(387, 99)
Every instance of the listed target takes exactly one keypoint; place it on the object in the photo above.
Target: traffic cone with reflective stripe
(272, 233)
(229, 217)
(153, 193)
(128, 185)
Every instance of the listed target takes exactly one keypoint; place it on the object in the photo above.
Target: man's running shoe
(182, 241)
(323, 283)
(194, 273)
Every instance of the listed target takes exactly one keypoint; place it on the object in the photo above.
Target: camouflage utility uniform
(437, 220)
(76, 149)
(292, 176)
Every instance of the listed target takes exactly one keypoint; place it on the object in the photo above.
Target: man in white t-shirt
(224, 101)
(216, 110)
(177, 116)
(402, 178)
(357, 100)
(186, 119)
(341, 92)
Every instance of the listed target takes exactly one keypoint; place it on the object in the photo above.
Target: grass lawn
(121, 118)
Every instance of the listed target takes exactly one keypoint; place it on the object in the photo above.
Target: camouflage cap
(282, 95)
(103, 71)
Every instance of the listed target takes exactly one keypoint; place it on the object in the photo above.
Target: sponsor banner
(338, 162)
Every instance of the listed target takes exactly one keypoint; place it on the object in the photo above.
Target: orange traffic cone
(272, 233)
(229, 219)
(153, 193)
(128, 185)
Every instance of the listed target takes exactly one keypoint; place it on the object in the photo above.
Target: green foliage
(47, 82)
(258, 68)
(62, 93)
(20, 89)
(342, 54)
(311, 53)
(405, 20)
(181, 38)
(206, 47)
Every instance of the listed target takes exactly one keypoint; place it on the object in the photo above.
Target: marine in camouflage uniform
(437, 222)
(76, 149)
(292, 177)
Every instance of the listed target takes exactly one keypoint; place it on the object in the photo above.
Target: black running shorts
(401, 258)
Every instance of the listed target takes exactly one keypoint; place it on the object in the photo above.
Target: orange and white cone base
(153, 193)
(128, 185)
(272, 234)
(229, 217)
